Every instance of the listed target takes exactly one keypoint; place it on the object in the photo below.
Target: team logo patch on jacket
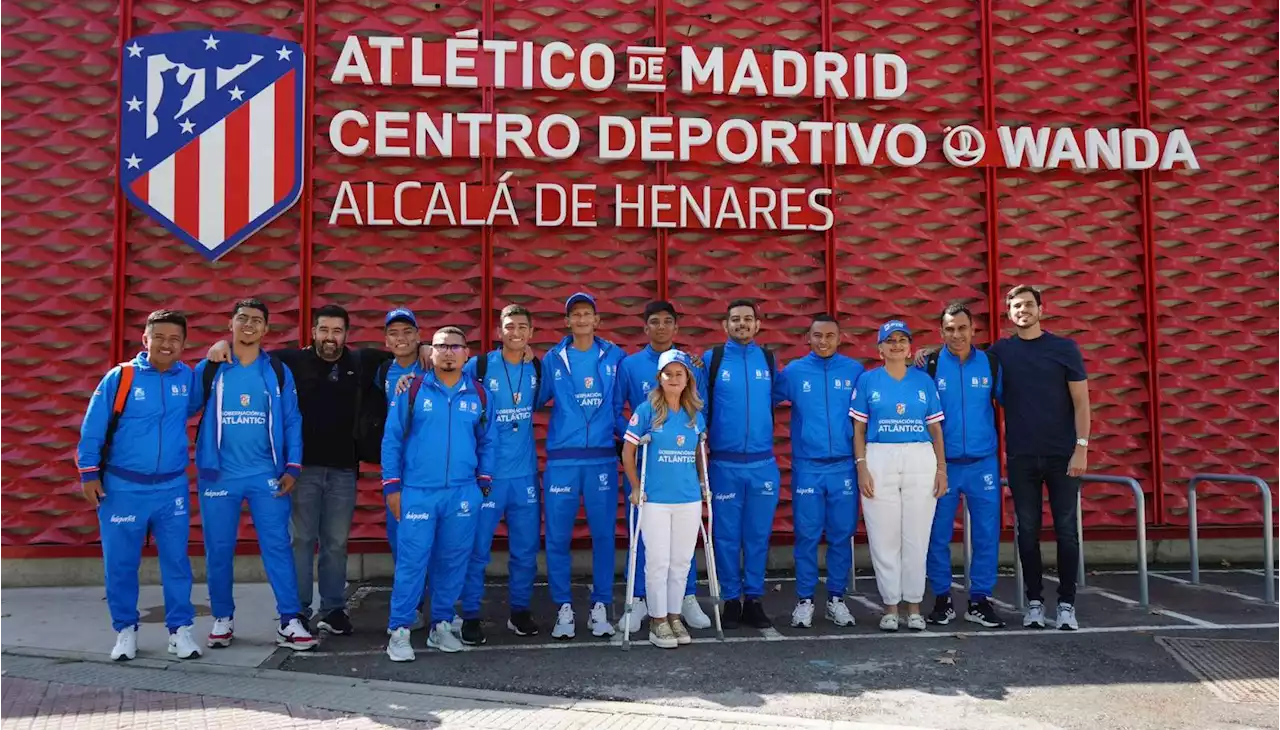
(211, 133)
(244, 400)
(902, 408)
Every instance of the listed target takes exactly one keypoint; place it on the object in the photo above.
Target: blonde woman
(672, 494)
(902, 470)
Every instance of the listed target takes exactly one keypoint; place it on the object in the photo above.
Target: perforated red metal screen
(1201, 346)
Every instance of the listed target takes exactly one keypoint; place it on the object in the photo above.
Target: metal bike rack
(1268, 547)
(1140, 504)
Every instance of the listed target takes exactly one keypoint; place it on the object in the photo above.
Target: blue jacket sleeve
(393, 438)
(546, 392)
(93, 429)
(999, 389)
(198, 398)
(487, 442)
(619, 395)
(292, 425)
(703, 376)
(781, 393)
(469, 370)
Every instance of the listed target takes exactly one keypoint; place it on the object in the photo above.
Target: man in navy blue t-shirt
(1046, 407)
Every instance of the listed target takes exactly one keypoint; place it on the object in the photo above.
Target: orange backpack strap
(122, 389)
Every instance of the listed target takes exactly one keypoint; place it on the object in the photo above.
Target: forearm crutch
(634, 512)
(709, 549)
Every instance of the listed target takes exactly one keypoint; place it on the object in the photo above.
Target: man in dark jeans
(1046, 407)
(332, 382)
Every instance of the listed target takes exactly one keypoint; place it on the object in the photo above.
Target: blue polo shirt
(1039, 415)
(896, 411)
(244, 435)
(671, 465)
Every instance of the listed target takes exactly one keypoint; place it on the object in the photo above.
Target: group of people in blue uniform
(458, 456)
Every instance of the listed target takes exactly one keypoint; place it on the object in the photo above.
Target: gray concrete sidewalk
(79, 694)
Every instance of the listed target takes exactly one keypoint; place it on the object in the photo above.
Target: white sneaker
(692, 614)
(126, 646)
(566, 625)
(915, 622)
(1034, 617)
(1067, 617)
(802, 616)
(398, 647)
(420, 622)
(182, 645)
(889, 622)
(838, 613)
(635, 618)
(599, 621)
(294, 635)
(443, 639)
(222, 632)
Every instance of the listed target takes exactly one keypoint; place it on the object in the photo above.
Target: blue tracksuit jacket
(744, 476)
(967, 391)
(823, 480)
(145, 481)
(284, 421)
(571, 433)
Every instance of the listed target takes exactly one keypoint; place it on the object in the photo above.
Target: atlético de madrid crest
(211, 133)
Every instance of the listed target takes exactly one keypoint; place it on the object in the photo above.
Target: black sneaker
(753, 615)
(731, 617)
(942, 613)
(521, 624)
(336, 622)
(982, 612)
(472, 632)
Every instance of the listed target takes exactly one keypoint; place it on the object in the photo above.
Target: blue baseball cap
(893, 325)
(674, 355)
(400, 315)
(578, 298)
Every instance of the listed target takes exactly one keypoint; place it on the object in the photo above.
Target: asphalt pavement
(1113, 673)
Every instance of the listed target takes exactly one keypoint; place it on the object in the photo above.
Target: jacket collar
(142, 361)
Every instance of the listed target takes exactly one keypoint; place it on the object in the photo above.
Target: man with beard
(438, 455)
(743, 473)
(249, 448)
(1046, 409)
(636, 377)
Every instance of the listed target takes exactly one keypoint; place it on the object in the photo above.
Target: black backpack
(371, 417)
(713, 375)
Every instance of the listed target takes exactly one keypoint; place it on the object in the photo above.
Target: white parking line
(881, 636)
(1208, 587)
(1157, 611)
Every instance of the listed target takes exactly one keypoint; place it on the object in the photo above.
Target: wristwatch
(1082, 443)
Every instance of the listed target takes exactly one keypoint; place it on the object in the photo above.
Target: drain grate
(1235, 670)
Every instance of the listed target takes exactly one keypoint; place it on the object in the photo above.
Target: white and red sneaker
(223, 631)
(294, 635)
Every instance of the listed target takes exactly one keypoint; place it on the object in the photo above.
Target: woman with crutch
(902, 470)
(668, 428)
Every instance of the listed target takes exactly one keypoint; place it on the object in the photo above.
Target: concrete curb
(597, 707)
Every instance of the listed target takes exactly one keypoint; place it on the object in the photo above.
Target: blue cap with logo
(400, 315)
(893, 325)
(577, 298)
(674, 355)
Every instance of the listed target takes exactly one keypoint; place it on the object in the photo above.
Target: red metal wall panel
(906, 241)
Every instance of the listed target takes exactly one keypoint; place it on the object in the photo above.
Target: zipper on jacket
(160, 436)
(826, 403)
(964, 412)
(448, 443)
(746, 384)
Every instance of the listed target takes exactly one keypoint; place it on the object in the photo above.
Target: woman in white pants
(671, 501)
(902, 470)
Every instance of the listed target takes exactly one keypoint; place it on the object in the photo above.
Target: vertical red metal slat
(989, 174)
(1147, 234)
(660, 40)
(119, 259)
(486, 233)
(308, 162)
(829, 174)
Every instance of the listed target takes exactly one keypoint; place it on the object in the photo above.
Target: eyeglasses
(455, 349)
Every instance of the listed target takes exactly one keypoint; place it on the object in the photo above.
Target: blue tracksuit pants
(979, 482)
(823, 503)
(596, 487)
(437, 528)
(690, 586)
(220, 503)
(123, 518)
(517, 501)
(745, 496)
